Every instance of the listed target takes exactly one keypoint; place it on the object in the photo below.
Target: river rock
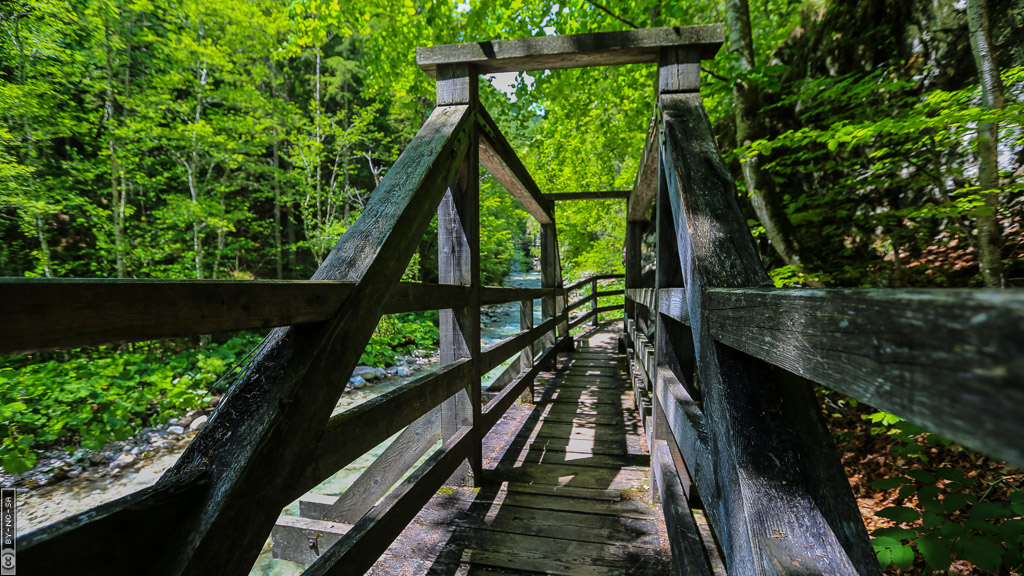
(175, 430)
(364, 372)
(198, 423)
(356, 382)
(186, 420)
(403, 372)
(122, 461)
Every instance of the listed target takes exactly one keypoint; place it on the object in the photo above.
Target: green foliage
(877, 170)
(952, 525)
(400, 334)
(101, 395)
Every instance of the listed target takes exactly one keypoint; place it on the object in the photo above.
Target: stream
(103, 483)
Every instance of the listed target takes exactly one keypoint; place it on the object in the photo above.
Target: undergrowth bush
(101, 394)
(86, 398)
(942, 514)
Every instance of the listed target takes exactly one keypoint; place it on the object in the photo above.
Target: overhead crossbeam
(573, 50)
(500, 161)
(646, 184)
(603, 195)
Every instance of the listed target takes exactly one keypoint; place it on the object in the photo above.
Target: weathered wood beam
(49, 313)
(526, 308)
(764, 482)
(604, 195)
(361, 546)
(83, 543)
(688, 555)
(53, 313)
(577, 303)
(497, 407)
(352, 433)
(492, 356)
(551, 277)
(946, 359)
(387, 469)
(645, 186)
(458, 263)
(572, 50)
(645, 296)
(580, 283)
(501, 161)
(501, 295)
(259, 441)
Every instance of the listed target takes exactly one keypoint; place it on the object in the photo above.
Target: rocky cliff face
(928, 37)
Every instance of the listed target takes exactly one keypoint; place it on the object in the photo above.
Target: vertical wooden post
(634, 265)
(678, 71)
(526, 356)
(593, 290)
(458, 260)
(551, 277)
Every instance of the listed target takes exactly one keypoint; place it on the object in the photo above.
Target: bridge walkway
(565, 489)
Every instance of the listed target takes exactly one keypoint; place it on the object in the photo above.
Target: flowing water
(42, 506)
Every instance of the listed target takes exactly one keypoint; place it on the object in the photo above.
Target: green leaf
(884, 557)
(899, 514)
(895, 532)
(982, 552)
(936, 552)
(922, 476)
(903, 557)
(953, 501)
(989, 510)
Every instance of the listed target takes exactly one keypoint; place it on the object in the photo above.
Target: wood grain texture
(457, 84)
(583, 282)
(572, 50)
(498, 405)
(361, 546)
(679, 70)
(501, 161)
(501, 294)
(272, 414)
(947, 360)
(492, 356)
(645, 186)
(352, 433)
(387, 469)
(81, 544)
(768, 518)
(52, 313)
(688, 555)
(601, 195)
(458, 262)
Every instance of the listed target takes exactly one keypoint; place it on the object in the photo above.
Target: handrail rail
(54, 313)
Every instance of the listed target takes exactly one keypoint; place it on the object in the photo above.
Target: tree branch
(612, 14)
(714, 74)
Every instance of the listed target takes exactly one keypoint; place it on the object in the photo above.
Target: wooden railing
(273, 437)
(723, 363)
(722, 359)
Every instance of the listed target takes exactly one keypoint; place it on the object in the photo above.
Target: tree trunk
(990, 240)
(115, 189)
(44, 247)
(764, 196)
(278, 256)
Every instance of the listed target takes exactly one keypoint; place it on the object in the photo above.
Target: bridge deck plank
(564, 491)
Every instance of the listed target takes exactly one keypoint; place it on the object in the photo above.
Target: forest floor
(869, 455)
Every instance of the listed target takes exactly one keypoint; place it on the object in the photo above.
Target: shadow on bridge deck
(565, 488)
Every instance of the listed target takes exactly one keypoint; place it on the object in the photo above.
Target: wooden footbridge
(717, 383)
